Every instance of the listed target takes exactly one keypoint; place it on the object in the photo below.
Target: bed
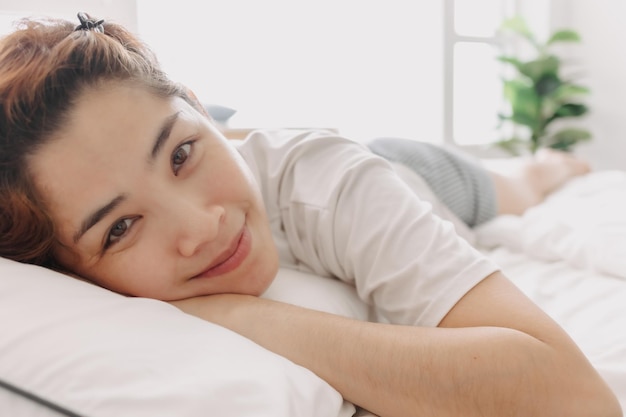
(70, 348)
(569, 255)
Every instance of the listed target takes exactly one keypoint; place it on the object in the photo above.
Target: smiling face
(150, 200)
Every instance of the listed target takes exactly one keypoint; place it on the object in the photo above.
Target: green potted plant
(538, 95)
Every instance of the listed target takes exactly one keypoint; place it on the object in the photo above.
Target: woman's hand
(494, 354)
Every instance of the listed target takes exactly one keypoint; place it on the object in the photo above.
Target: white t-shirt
(338, 210)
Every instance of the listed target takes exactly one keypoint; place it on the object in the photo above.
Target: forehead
(105, 139)
(117, 112)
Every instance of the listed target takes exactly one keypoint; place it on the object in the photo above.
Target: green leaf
(547, 84)
(512, 88)
(537, 95)
(547, 66)
(571, 110)
(567, 138)
(525, 119)
(511, 60)
(565, 35)
(567, 110)
(549, 106)
(517, 25)
(524, 102)
(567, 91)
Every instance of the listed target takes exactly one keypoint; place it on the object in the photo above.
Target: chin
(263, 278)
(260, 285)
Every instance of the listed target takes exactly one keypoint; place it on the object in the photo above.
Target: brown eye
(180, 156)
(118, 231)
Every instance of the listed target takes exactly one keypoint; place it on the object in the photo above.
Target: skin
(524, 183)
(494, 354)
(189, 206)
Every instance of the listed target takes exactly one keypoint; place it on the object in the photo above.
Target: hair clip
(88, 24)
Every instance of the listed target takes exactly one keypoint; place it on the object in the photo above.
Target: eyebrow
(99, 214)
(96, 216)
(164, 134)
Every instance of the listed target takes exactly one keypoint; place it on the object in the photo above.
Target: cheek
(227, 181)
(263, 270)
(127, 274)
(227, 164)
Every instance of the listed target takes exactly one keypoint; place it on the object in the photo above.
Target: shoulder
(304, 159)
(292, 144)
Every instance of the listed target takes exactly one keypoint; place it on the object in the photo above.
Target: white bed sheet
(569, 255)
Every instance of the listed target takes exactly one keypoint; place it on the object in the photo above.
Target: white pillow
(98, 353)
(318, 293)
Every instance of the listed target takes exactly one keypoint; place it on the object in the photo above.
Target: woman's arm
(494, 354)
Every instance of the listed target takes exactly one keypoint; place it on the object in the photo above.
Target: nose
(197, 226)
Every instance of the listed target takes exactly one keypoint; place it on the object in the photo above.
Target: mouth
(231, 258)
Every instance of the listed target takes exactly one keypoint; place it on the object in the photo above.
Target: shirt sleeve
(346, 213)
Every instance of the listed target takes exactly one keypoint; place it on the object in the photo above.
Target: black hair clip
(87, 23)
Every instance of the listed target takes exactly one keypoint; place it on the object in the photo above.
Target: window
(473, 88)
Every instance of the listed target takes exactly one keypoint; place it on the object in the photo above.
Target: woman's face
(150, 200)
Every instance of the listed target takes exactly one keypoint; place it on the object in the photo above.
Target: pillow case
(318, 293)
(97, 353)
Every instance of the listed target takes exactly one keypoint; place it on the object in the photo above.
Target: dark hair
(44, 66)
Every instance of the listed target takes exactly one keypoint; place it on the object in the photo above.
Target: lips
(231, 258)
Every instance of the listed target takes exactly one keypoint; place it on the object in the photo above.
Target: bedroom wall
(601, 26)
(124, 11)
(367, 68)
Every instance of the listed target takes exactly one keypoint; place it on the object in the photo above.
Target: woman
(111, 172)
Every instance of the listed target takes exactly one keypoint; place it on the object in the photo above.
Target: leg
(523, 183)
(476, 191)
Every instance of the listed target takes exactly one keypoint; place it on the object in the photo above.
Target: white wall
(368, 68)
(601, 26)
(600, 23)
(122, 11)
